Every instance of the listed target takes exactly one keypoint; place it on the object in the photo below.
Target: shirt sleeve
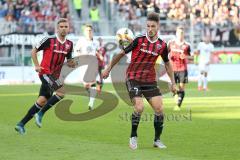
(43, 44)
(164, 54)
(69, 55)
(131, 46)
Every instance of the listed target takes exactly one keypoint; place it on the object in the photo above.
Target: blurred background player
(101, 63)
(180, 52)
(203, 52)
(88, 46)
(49, 71)
(141, 77)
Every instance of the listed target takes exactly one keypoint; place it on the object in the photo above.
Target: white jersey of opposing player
(86, 47)
(205, 50)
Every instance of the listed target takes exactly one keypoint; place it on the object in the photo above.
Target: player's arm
(70, 62)
(211, 53)
(197, 53)
(168, 68)
(114, 61)
(99, 55)
(44, 43)
(117, 58)
(38, 68)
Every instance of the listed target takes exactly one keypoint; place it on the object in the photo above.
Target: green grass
(212, 131)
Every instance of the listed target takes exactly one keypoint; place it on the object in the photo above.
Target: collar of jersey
(150, 40)
(60, 40)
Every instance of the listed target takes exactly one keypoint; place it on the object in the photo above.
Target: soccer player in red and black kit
(179, 52)
(55, 50)
(141, 76)
(101, 63)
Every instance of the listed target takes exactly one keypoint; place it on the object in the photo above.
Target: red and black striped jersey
(175, 50)
(54, 53)
(144, 55)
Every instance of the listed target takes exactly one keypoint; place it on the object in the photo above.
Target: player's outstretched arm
(114, 61)
(170, 74)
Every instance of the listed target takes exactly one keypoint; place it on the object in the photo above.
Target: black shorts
(49, 85)
(147, 89)
(181, 76)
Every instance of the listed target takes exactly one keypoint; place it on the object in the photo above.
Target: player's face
(180, 33)
(89, 32)
(63, 29)
(152, 28)
(207, 39)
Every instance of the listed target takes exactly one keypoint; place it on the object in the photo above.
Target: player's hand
(173, 88)
(38, 68)
(182, 56)
(71, 63)
(105, 73)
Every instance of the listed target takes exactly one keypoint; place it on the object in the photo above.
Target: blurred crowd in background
(28, 12)
(220, 18)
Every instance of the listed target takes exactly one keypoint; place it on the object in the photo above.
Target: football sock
(181, 95)
(92, 95)
(158, 125)
(51, 102)
(135, 121)
(205, 82)
(200, 80)
(34, 109)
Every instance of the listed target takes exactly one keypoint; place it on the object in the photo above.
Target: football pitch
(207, 127)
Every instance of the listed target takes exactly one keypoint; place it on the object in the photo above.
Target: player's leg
(135, 95)
(177, 80)
(205, 81)
(99, 80)
(52, 100)
(201, 77)
(153, 95)
(200, 81)
(181, 94)
(136, 116)
(181, 91)
(41, 101)
(92, 94)
(157, 105)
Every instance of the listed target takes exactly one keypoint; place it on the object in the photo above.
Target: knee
(181, 88)
(139, 107)
(41, 101)
(60, 94)
(159, 109)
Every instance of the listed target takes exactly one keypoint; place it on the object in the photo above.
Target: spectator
(95, 18)
(78, 7)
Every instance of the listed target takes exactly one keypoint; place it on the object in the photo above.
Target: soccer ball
(124, 37)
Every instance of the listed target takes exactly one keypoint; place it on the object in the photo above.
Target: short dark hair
(153, 16)
(180, 27)
(88, 25)
(61, 20)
